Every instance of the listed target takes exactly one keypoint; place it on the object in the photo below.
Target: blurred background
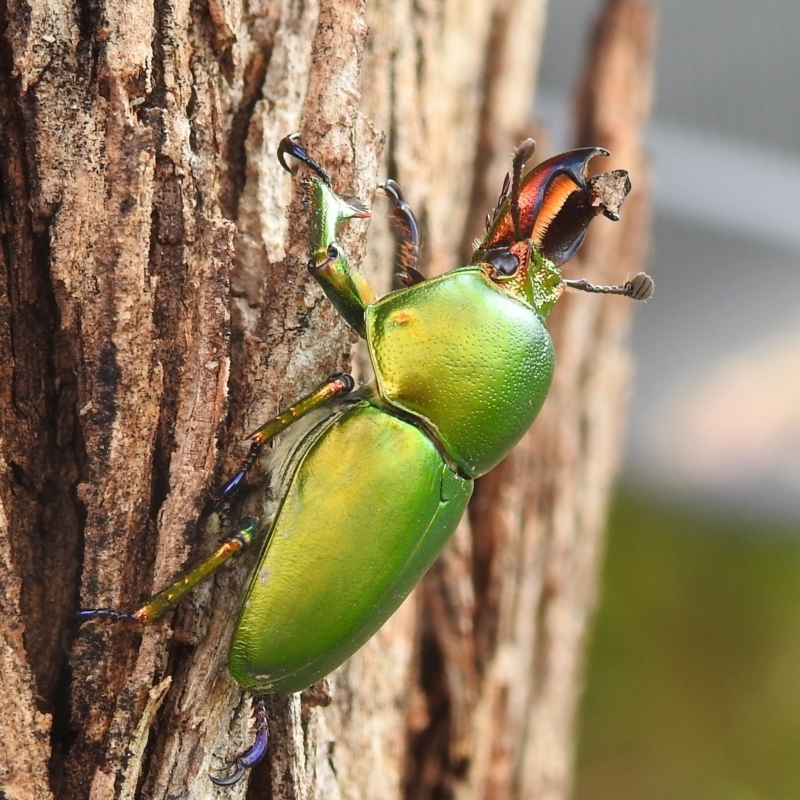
(693, 686)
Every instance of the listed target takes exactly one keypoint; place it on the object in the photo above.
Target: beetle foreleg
(344, 285)
(250, 757)
(339, 384)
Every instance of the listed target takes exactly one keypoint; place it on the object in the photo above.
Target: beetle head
(521, 270)
(555, 203)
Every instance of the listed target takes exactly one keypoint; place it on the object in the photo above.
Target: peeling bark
(155, 308)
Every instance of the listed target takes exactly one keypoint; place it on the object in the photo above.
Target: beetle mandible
(462, 365)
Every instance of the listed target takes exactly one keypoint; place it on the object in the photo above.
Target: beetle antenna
(640, 287)
(521, 156)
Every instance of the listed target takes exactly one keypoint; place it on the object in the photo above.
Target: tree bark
(156, 308)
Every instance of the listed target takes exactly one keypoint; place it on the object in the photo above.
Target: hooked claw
(250, 757)
(289, 146)
(233, 778)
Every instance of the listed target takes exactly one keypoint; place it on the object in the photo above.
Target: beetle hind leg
(165, 600)
(250, 757)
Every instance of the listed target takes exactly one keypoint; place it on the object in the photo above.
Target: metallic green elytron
(372, 483)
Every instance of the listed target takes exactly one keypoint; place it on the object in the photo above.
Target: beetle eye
(503, 261)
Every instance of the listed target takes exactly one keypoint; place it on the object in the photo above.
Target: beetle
(462, 364)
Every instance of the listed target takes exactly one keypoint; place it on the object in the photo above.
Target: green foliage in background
(693, 685)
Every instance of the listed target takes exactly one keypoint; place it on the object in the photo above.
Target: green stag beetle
(462, 365)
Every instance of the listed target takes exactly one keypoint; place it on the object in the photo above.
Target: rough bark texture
(155, 307)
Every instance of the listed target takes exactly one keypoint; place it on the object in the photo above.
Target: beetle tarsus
(85, 615)
(232, 486)
(250, 757)
(289, 146)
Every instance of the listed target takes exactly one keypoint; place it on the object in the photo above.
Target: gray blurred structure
(716, 411)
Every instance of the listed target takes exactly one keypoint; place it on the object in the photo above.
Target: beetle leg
(344, 285)
(165, 600)
(168, 598)
(339, 384)
(85, 615)
(640, 287)
(408, 238)
(250, 757)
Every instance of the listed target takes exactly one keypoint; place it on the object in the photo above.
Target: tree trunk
(157, 308)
